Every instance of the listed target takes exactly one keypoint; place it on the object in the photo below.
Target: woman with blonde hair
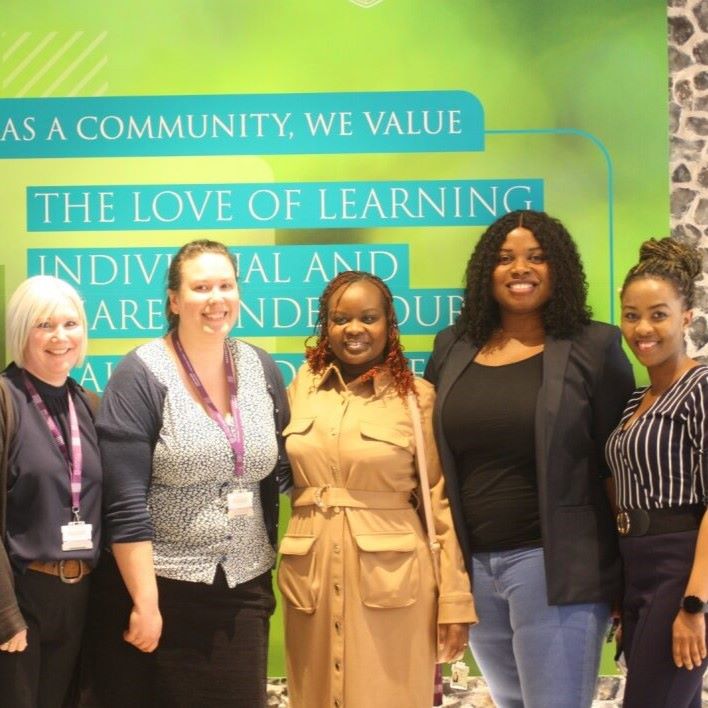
(53, 495)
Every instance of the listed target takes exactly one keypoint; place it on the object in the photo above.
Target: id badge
(76, 536)
(240, 503)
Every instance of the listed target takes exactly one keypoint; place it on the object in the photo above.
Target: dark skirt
(213, 650)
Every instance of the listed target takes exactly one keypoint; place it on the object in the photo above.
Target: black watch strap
(693, 605)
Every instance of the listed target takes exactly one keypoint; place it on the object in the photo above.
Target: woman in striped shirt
(659, 456)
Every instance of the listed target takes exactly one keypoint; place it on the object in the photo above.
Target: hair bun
(673, 253)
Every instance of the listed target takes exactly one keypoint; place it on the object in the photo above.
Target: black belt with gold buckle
(650, 522)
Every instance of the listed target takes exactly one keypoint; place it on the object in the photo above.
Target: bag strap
(7, 430)
(422, 466)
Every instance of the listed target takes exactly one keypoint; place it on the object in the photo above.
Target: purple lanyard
(233, 434)
(75, 461)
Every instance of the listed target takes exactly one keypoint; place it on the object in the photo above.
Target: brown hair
(320, 355)
(670, 260)
(174, 274)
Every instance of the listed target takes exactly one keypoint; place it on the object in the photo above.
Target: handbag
(422, 466)
(433, 542)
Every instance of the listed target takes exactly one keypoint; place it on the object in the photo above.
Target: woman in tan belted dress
(362, 609)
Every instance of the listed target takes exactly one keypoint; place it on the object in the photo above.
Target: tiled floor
(609, 694)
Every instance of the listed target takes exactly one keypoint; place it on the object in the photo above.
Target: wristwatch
(693, 605)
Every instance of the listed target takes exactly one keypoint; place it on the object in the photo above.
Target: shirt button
(337, 588)
(337, 703)
(337, 665)
(338, 627)
(336, 548)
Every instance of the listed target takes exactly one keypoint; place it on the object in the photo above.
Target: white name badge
(76, 536)
(240, 503)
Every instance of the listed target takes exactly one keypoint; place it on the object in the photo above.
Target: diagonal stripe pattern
(53, 64)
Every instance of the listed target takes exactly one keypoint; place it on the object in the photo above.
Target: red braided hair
(320, 355)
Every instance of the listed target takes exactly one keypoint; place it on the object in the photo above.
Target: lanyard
(75, 460)
(234, 434)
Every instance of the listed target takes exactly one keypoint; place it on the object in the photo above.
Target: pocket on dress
(298, 425)
(297, 573)
(389, 575)
(382, 433)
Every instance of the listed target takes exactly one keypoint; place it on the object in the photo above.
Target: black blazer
(586, 382)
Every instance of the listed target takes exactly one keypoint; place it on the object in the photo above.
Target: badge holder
(239, 503)
(76, 535)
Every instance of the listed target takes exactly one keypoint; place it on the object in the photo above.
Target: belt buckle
(318, 497)
(72, 579)
(624, 524)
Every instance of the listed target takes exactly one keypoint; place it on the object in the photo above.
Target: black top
(661, 460)
(39, 495)
(488, 420)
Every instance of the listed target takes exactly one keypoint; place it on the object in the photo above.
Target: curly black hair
(567, 311)
(668, 259)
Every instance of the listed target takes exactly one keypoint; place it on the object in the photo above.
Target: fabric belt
(326, 497)
(68, 571)
(650, 522)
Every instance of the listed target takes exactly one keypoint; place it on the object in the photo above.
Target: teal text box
(296, 205)
(242, 124)
(280, 286)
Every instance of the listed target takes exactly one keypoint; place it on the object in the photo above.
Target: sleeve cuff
(456, 608)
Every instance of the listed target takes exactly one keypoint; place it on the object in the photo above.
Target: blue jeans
(533, 655)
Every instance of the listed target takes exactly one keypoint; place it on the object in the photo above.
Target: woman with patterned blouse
(190, 438)
(659, 456)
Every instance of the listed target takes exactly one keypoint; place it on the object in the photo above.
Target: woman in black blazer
(529, 389)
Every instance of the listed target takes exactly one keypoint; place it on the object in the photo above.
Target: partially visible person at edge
(659, 455)
(362, 609)
(51, 496)
(190, 440)
(528, 389)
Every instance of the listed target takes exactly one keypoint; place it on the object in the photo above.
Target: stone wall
(688, 127)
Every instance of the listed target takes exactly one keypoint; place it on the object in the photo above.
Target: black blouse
(488, 419)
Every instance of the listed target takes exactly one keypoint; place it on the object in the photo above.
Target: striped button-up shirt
(661, 459)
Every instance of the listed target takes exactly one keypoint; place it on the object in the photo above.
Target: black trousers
(39, 676)
(213, 650)
(656, 572)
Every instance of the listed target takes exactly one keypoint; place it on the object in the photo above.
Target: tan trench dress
(361, 606)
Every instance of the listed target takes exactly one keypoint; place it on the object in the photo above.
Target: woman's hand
(689, 639)
(16, 643)
(452, 641)
(144, 629)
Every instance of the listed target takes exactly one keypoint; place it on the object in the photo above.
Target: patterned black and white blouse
(661, 460)
(170, 468)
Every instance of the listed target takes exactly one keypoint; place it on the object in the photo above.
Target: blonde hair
(35, 300)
